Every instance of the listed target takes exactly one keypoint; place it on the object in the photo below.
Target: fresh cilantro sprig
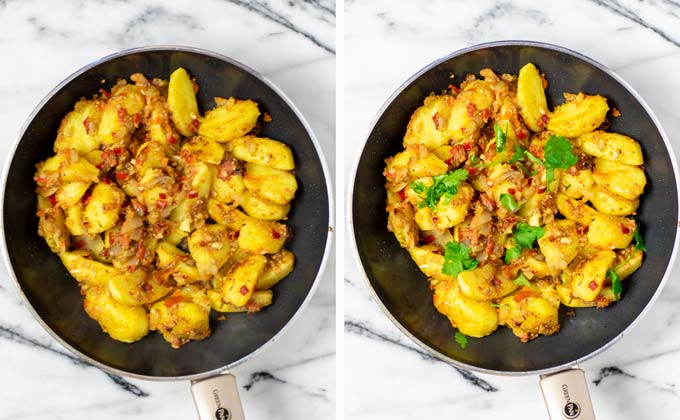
(525, 236)
(443, 186)
(461, 339)
(501, 136)
(639, 242)
(521, 280)
(457, 258)
(508, 201)
(558, 154)
(617, 287)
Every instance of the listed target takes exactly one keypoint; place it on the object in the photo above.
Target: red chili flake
(544, 118)
(80, 244)
(471, 170)
(486, 114)
(41, 179)
(402, 194)
(194, 125)
(171, 139)
(105, 93)
(121, 176)
(429, 239)
(471, 109)
(86, 198)
(118, 151)
(467, 146)
(173, 300)
(592, 285)
(100, 165)
(244, 290)
(540, 190)
(232, 235)
(511, 190)
(624, 229)
(521, 134)
(523, 294)
(86, 124)
(275, 234)
(161, 204)
(53, 199)
(193, 194)
(121, 114)
(162, 196)
(435, 119)
(390, 174)
(137, 118)
(106, 180)
(496, 282)
(449, 161)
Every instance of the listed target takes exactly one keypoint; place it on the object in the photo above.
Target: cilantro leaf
(501, 137)
(521, 280)
(443, 186)
(559, 153)
(508, 201)
(639, 242)
(533, 158)
(474, 159)
(518, 155)
(457, 258)
(617, 287)
(512, 253)
(461, 339)
(549, 175)
(525, 235)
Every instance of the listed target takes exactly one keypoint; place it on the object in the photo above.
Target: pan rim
(355, 250)
(324, 166)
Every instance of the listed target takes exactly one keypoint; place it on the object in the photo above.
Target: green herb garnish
(461, 339)
(443, 186)
(525, 235)
(521, 280)
(512, 253)
(639, 242)
(508, 201)
(457, 258)
(558, 155)
(532, 157)
(617, 287)
(518, 155)
(474, 160)
(501, 137)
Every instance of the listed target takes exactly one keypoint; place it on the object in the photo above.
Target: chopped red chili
(86, 198)
(429, 239)
(486, 113)
(435, 119)
(192, 194)
(511, 190)
(471, 109)
(467, 146)
(540, 190)
(625, 230)
(118, 150)
(106, 180)
(53, 199)
(162, 196)
(592, 285)
(121, 176)
(161, 204)
(471, 170)
(244, 290)
(100, 165)
(275, 234)
(121, 114)
(171, 139)
(521, 134)
(402, 194)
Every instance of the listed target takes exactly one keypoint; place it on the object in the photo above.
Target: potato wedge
(231, 119)
(612, 146)
(580, 115)
(182, 102)
(271, 184)
(123, 323)
(531, 97)
(262, 151)
(618, 178)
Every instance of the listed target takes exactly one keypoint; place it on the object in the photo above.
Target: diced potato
(183, 270)
(258, 300)
(560, 244)
(580, 115)
(533, 267)
(531, 97)
(181, 317)
(210, 248)
(589, 275)
(74, 220)
(262, 209)
(401, 222)
(612, 146)
(226, 215)
(103, 209)
(564, 293)
(228, 190)
(131, 98)
(429, 165)
(575, 210)
(200, 176)
(137, 288)
(618, 178)
(78, 129)
(70, 193)
(115, 126)
(231, 119)
(182, 102)
(397, 169)
(530, 311)
(88, 271)
(150, 155)
(271, 184)
(610, 232)
(449, 213)
(428, 123)
(80, 171)
(467, 111)
(123, 323)
(578, 185)
(202, 149)
(278, 266)
(262, 151)
(430, 263)
(262, 237)
(608, 203)
(52, 227)
(239, 283)
(472, 318)
(485, 283)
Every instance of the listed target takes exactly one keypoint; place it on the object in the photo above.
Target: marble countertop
(290, 42)
(386, 375)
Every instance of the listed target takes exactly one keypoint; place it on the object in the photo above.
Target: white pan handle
(217, 398)
(566, 395)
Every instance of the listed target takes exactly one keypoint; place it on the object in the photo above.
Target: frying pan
(53, 296)
(401, 289)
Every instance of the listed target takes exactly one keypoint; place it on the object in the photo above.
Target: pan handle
(566, 395)
(217, 398)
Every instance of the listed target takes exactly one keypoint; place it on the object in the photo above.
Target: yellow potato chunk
(262, 209)
(150, 155)
(429, 165)
(612, 146)
(629, 265)
(231, 119)
(78, 129)
(202, 149)
(80, 171)
(183, 268)
(137, 288)
(449, 213)
(472, 318)
(228, 190)
(182, 316)
(430, 263)
(226, 215)
(560, 244)
(70, 193)
(531, 97)
(123, 323)
(271, 184)
(531, 311)
(608, 203)
(401, 222)
(485, 283)
(278, 266)
(74, 220)
(262, 151)
(103, 209)
(428, 123)
(618, 178)
(577, 185)
(210, 248)
(182, 102)
(589, 275)
(258, 300)
(466, 116)
(579, 115)
(87, 271)
(239, 283)
(262, 237)
(610, 232)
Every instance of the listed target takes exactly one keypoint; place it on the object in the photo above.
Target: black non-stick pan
(53, 296)
(402, 290)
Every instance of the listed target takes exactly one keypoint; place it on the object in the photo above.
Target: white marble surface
(293, 44)
(386, 375)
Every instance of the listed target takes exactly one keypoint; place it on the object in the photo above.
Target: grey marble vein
(615, 371)
(263, 376)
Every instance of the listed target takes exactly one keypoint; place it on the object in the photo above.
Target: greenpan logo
(222, 414)
(572, 410)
